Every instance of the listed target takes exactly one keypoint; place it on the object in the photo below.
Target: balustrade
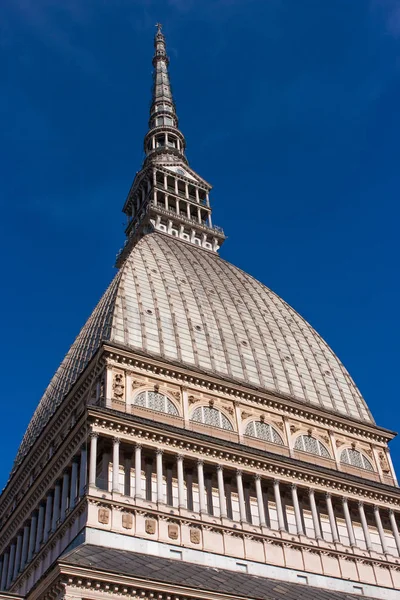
(201, 485)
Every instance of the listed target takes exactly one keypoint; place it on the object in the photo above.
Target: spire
(167, 195)
(163, 140)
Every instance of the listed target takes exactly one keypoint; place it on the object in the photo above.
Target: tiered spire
(167, 195)
(164, 137)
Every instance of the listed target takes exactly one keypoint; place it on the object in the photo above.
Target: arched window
(155, 401)
(356, 459)
(211, 416)
(307, 443)
(263, 431)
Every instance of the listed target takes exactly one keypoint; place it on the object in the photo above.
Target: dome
(184, 304)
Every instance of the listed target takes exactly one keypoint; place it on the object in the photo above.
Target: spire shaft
(164, 136)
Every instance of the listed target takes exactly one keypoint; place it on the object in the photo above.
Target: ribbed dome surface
(177, 301)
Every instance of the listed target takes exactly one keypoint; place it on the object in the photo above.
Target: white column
(160, 483)
(314, 513)
(364, 526)
(73, 492)
(181, 486)
(115, 468)
(297, 513)
(349, 523)
(93, 459)
(138, 471)
(242, 505)
(39, 530)
(260, 501)
(278, 502)
(56, 506)
(4, 571)
(11, 565)
(47, 518)
(24, 554)
(380, 530)
(82, 472)
(395, 529)
(64, 495)
(32, 537)
(200, 477)
(221, 492)
(332, 520)
(17, 561)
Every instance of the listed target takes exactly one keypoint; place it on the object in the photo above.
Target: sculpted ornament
(150, 526)
(127, 521)
(383, 463)
(118, 386)
(173, 531)
(195, 536)
(103, 516)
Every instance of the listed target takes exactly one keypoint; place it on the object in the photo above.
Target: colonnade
(43, 522)
(209, 488)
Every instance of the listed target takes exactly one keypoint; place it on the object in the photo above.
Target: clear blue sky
(290, 109)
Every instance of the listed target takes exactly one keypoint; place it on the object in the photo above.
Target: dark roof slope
(170, 571)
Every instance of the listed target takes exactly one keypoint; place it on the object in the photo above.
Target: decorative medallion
(195, 536)
(127, 521)
(173, 531)
(104, 516)
(150, 526)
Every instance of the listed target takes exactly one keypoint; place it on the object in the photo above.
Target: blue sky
(290, 110)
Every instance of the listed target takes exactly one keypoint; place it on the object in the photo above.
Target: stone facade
(197, 418)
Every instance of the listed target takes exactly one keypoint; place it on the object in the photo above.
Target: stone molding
(150, 435)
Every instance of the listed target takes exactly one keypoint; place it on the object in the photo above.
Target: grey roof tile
(180, 573)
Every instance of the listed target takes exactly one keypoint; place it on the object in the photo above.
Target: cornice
(47, 479)
(274, 401)
(113, 423)
(290, 541)
(20, 477)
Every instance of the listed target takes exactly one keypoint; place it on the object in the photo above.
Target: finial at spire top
(159, 27)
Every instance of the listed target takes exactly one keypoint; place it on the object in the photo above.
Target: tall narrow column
(127, 473)
(314, 513)
(73, 491)
(221, 492)
(138, 471)
(395, 529)
(242, 505)
(17, 562)
(93, 458)
(160, 482)
(11, 565)
(64, 495)
(56, 506)
(260, 501)
(380, 530)
(82, 472)
(364, 526)
(47, 517)
(278, 502)
(349, 523)
(4, 571)
(115, 469)
(24, 553)
(332, 519)
(200, 478)
(32, 536)
(181, 485)
(297, 513)
(39, 529)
